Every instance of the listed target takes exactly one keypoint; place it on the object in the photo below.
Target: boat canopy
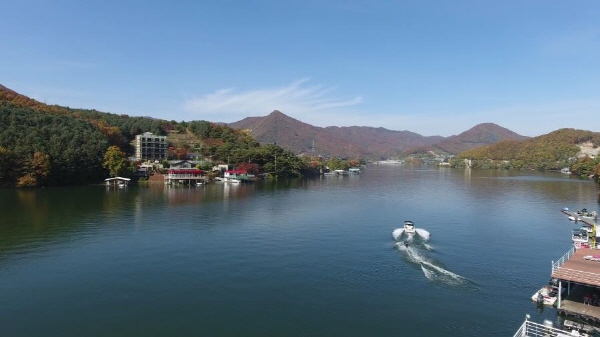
(117, 178)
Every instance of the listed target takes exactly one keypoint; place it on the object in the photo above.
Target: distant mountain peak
(479, 135)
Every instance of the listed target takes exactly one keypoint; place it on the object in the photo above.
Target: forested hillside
(42, 149)
(51, 145)
(552, 151)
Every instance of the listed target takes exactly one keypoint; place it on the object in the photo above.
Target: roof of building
(236, 171)
(582, 267)
(185, 171)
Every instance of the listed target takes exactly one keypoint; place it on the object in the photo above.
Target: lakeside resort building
(575, 284)
(184, 172)
(150, 147)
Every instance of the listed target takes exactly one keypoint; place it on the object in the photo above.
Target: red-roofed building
(185, 176)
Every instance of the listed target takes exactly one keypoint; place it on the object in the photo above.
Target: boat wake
(438, 274)
(415, 248)
(399, 233)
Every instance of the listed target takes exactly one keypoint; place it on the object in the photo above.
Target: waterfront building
(237, 176)
(578, 271)
(578, 274)
(150, 147)
(185, 177)
(181, 164)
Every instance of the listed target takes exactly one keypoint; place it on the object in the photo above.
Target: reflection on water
(307, 257)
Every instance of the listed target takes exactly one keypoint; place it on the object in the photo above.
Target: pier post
(559, 294)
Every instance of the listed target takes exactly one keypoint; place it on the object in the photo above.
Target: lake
(288, 258)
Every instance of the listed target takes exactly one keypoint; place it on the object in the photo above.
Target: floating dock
(588, 220)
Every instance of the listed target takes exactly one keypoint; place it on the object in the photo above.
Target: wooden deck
(584, 276)
(579, 270)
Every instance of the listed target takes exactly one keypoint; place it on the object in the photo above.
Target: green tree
(335, 163)
(584, 166)
(6, 163)
(115, 161)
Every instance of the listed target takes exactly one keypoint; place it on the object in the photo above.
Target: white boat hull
(544, 296)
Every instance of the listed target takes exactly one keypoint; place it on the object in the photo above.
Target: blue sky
(431, 67)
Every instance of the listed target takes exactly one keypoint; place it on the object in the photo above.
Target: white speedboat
(547, 295)
(409, 231)
(409, 227)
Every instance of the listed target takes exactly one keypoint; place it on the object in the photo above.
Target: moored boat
(580, 235)
(548, 294)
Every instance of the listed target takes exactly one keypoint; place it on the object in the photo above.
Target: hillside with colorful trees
(51, 145)
(554, 151)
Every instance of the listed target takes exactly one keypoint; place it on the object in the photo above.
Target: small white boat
(547, 295)
(580, 236)
(409, 231)
(409, 227)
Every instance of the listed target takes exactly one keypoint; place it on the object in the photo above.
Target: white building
(150, 147)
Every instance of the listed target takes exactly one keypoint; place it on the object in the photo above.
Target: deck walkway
(579, 270)
(584, 278)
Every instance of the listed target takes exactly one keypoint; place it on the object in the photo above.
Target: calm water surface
(294, 258)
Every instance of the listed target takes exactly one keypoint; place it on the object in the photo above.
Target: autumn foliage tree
(36, 169)
(115, 161)
(251, 168)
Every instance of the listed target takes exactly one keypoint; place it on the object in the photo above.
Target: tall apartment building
(150, 147)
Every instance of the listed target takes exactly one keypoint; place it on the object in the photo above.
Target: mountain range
(362, 141)
(346, 142)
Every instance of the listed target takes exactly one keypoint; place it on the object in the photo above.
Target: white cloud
(296, 99)
(317, 105)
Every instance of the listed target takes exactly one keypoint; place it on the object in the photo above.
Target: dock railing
(532, 329)
(561, 261)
